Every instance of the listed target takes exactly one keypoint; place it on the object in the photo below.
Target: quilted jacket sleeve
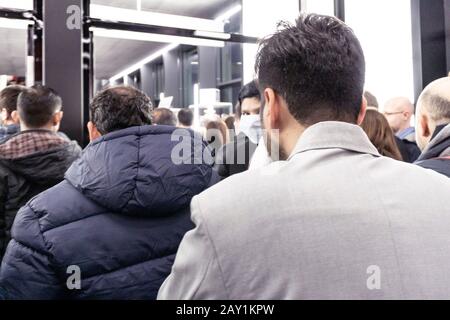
(2, 214)
(26, 271)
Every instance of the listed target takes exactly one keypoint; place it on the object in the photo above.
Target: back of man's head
(185, 117)
(433, 109)
(8, 100)
(118, 108)
(37, 106)
(164, 116)
(317, 66)
(435, 99)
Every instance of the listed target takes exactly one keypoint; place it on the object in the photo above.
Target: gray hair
(437, 106)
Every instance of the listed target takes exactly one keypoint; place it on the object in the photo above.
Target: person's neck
(8, 123)
(23, 127)
(438, 128)
(289, 140)
(403, 128)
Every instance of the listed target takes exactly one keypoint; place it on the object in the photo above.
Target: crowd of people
(311, 186)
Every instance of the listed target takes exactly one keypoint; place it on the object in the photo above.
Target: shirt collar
(12, 128)
(405, 133)
(335, 135)
(438, 130)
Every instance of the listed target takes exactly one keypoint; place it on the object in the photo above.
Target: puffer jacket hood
(438, 147)
(131, 171)
(45, 167)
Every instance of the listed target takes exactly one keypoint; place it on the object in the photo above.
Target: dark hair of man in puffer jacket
(112, 228)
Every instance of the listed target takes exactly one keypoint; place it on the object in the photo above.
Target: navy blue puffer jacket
(118, 216)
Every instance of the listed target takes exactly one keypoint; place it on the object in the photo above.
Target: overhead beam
(168, 31)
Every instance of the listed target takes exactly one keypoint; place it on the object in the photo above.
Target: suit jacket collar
(335, 135)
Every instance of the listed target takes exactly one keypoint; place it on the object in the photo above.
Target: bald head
(433, 109)
(398, 112)
(435, 99)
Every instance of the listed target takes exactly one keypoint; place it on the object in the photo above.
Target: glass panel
(14, 4)
(190, 76)
(210, 9)
(230, 93)
(231, 62)
(386, 37)
(13, 53)
(325, 7)
(158, 80)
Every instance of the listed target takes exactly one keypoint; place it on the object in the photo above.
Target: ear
(362, 112)
(271, 109)
(93, 132)
(15, 116)
(57, 117)
(424, 125)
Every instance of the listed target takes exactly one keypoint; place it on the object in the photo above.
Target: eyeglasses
(392, 113)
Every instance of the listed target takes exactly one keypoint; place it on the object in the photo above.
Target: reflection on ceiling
(113, 55)
(13, 51)
(206, 9)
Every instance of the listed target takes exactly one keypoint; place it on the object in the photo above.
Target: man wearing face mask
(235, 157)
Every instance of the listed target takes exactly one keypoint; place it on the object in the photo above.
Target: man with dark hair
(164, 116)
(34, 159)
(8, 104)
(116, 220)
(185, 118)
(330, 221)
(234, 157)
(433, 126)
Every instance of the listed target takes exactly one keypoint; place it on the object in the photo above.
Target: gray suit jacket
(335, 221)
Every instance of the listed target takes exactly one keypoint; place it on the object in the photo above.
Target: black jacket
(409, 150)
(24, 177)
(437, 155)
(235, 156)
(118, 216)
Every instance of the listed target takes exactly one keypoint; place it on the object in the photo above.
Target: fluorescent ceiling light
(210, 34)
(116, 14)
(144, 61)
(14, 4)
(154, 18)
(14, 23)
(228, 14)
(154, 37)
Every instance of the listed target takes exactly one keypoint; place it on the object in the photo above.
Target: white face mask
(251, 126)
